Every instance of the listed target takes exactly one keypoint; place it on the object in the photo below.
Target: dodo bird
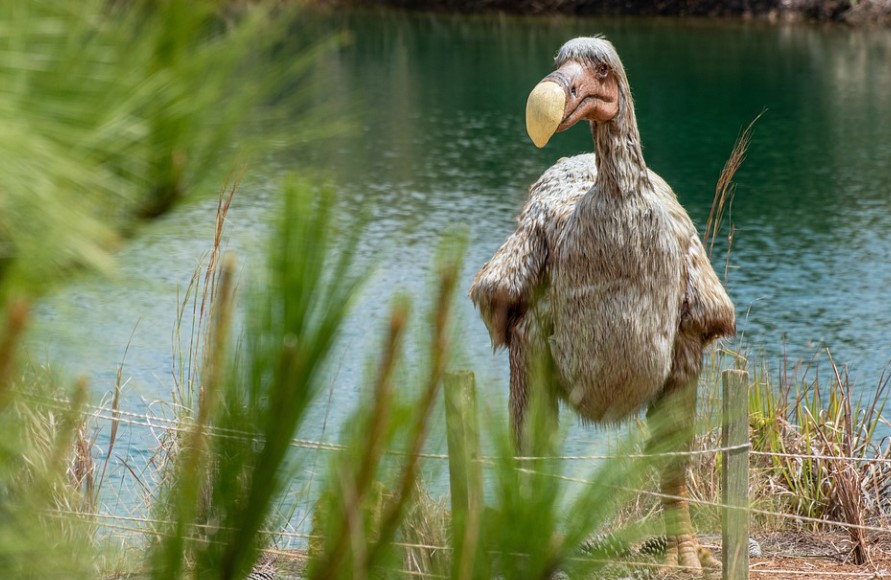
(607, 278)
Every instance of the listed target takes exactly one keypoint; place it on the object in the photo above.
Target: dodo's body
(605, 275)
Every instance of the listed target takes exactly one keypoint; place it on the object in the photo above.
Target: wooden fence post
(465, 472)
(735, 476)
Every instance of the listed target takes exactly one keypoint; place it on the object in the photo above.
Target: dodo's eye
(602, 70)
(573, 91)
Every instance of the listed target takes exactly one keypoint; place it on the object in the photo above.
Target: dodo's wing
(504, 286)
(507, 285)
(707, 310)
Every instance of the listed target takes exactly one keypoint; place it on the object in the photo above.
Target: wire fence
(150, 421)
(101, 413)
(152, 527)
(153, 421)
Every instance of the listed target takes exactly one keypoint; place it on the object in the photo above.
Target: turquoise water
(438, 145)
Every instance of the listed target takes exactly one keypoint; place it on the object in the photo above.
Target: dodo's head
(587, 85)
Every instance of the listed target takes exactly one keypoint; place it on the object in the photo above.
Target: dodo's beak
(572, 93)
(544, 111)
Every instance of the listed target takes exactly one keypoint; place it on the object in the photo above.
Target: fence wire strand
(818, 456)
(703, 502)
(180, 426)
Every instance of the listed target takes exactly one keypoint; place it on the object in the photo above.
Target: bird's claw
(684, 553)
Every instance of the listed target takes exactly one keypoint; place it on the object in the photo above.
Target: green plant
(114, 111)
(820, 454)
(225, 486)
(359, 538)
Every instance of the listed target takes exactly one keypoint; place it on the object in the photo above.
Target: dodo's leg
(672, 419)
(519, 390)
(533, 399)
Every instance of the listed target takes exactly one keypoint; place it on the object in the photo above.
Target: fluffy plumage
(607, 264)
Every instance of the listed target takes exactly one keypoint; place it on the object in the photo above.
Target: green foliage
(114, 111)
(541, 518)
(262, 392)
(360, 516)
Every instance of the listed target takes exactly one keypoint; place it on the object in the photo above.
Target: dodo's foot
(684, 554)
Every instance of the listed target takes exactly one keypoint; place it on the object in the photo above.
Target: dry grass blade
(224, 202)
(355, 494)
(847, 480)
(192, 466)
(115, 408)
(138, 479)
(216, 354)
(186, 366)
(725, 188)
(81, 469)
(448, 279)
(71, 420)
(16, 320)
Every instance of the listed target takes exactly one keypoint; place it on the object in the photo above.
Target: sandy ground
(797, 555)
(785, 556)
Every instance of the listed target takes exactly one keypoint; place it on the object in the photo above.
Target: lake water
(438, 144)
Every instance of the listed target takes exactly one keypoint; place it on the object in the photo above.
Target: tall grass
(817, 457)
(823, 459)
(227, 486)
(38, 472)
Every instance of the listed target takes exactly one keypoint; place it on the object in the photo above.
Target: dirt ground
(797, 555)
(785, 556)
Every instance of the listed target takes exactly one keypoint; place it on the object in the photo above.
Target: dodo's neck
(620, 164)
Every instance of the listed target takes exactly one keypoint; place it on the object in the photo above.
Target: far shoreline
(855, 13)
